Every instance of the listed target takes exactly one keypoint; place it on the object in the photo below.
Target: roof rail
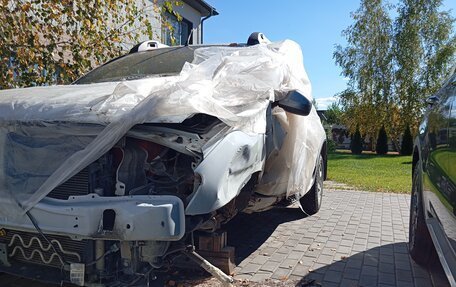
(147, 45)
(257, 38)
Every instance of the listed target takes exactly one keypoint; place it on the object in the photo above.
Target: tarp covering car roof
(48, 134)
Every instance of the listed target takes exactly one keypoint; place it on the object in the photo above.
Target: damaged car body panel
(110, 177)
(108, 218)
(225, 170)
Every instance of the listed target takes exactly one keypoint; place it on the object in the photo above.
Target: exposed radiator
(77, 185)
(32, 248)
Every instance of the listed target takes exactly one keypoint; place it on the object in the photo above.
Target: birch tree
(367, 62)
(424, 54)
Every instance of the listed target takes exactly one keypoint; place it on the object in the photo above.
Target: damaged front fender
(225, 170)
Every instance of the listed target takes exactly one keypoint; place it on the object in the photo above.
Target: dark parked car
(433, 202)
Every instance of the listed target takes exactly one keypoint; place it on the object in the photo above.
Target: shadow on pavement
(247, 232)
(386, 265)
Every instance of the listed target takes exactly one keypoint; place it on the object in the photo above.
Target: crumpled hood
(234, 84)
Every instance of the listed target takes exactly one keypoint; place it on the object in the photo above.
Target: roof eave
(201, 6)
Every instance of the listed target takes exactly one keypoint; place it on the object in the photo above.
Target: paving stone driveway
(357, 239)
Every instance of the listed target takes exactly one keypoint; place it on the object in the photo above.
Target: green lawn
(388, 173)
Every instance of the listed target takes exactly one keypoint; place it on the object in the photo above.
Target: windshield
(160, 62)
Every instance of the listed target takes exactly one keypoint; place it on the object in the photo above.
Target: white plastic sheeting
(289, 170)
(48, 134)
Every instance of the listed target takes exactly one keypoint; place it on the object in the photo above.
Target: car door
(450, 168)
(439, 169)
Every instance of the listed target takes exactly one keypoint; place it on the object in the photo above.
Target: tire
(420, 245)
(311, 201)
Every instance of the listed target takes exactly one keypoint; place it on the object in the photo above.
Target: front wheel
(311, 201)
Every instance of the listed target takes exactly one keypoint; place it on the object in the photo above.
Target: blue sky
(315, 25)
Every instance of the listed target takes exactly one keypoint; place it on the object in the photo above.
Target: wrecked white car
(106, 180)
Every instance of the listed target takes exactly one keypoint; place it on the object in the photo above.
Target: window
(181, 30)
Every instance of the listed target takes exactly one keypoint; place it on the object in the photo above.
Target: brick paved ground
(357, 239)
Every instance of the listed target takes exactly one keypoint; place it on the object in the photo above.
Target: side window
(439, 117)
(175, 32)
(438, 125)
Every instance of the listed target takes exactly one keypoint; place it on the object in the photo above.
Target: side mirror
(295, 103)
(432, 100)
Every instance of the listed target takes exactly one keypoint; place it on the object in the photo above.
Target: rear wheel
(421, 247)
(311, 201)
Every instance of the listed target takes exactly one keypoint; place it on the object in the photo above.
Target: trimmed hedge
(382, 142)
(407, 142)
(356, 145)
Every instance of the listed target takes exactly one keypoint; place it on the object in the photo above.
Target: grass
(387, 173)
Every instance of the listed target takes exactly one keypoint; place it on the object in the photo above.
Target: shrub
(407, 142)
(356, 145)
(382, 142)
(331, 144)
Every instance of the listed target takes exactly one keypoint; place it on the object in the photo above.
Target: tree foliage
(49, 41)
(333, 114)
(393, 65)
(424, 53)
(382, 142)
